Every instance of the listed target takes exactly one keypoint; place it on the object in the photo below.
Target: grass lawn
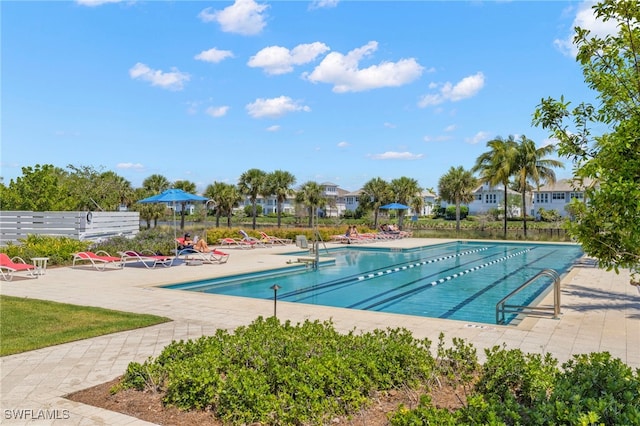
(28, 324)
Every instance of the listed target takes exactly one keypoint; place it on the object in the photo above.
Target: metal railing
(503, 308)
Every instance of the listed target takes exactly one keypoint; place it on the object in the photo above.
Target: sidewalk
(600, 312)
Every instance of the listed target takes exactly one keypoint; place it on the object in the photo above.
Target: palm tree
(251, 184)
(153, 185)
(456, 186)
(186, 186)
(404, 189)
(281, 182)
(226, 198)
(375, 193)
(310, 194)
(531, 165)
(416, 204)
(497, 165)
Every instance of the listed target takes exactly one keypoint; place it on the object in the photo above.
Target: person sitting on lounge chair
(199, 245)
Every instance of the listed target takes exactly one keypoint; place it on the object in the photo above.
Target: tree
(404, 189)
(186, 186)
(456, 187)
(251, 184)
(531, 165)
(607, 226)
(416, 204)
(153, 185)
(375, 193)
(40, 188)
(497, 165)
(225, 197)
(280, 182)
(310, 194)
(94, 189)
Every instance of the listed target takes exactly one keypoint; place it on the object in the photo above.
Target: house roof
(567, 185)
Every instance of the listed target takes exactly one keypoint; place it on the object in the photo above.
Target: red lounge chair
(148, 258)
(212, 256)
(274, 240)
(8, 266)
(232, 242)
(99, 260)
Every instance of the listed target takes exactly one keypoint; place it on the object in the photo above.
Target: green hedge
(279, 374)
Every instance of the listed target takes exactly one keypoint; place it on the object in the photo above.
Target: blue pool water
(460, 280)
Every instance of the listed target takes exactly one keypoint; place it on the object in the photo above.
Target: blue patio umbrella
(394, 206)
(173, 196)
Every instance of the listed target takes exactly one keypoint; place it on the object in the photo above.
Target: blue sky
(338, 91)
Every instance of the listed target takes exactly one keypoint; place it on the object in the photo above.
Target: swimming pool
(459, 280)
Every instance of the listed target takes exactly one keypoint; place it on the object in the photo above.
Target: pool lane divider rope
(418, 264)
(445, 279)
(475, 268)
(353, 279)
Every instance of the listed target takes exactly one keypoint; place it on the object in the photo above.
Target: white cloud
(344, 73)
(390, 125)
(320, 4)
(450, 128)
(392, 155)
(214, 55)
(477, 138)
(585, 19)
(243, 17)
(273, 128)
(93, 3)
(216, 112)
(274, 107)
(465, 88)
(280, 60)
(129, 166)
(440, 138)
(173, 80)
(343, 144)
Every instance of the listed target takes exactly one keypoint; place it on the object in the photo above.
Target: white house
(558, 195)
(428, 201)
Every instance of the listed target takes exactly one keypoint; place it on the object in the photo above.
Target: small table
(40, 264)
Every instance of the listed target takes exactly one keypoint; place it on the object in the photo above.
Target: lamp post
(275, 289)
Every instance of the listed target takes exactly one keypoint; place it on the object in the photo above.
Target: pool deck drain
(600, 312)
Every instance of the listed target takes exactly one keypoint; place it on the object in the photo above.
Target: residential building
(558, 195)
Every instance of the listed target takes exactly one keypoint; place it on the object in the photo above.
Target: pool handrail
(502, 307)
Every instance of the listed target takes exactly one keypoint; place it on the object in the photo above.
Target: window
(577, 195)
(558, 196)
(490, 199)
(542, 198)
(479, 197)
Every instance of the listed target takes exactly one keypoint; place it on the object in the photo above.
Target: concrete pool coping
(600, 312)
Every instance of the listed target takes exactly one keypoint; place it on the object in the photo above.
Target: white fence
(92, 226)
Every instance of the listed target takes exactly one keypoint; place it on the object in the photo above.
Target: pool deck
(600, 312)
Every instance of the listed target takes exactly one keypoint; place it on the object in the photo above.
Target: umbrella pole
(175, 231)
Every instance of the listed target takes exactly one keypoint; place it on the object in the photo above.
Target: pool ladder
(503, 308)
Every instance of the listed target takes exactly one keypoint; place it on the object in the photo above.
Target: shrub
(59, 250)
(278, 373)
(596, 386)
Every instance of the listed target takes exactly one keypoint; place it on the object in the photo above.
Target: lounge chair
(252, 240)
(344, 239)
(233, 242)
(98, 260)
(147, 257)
(8, 266)
(274, 240)
(211, 256)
